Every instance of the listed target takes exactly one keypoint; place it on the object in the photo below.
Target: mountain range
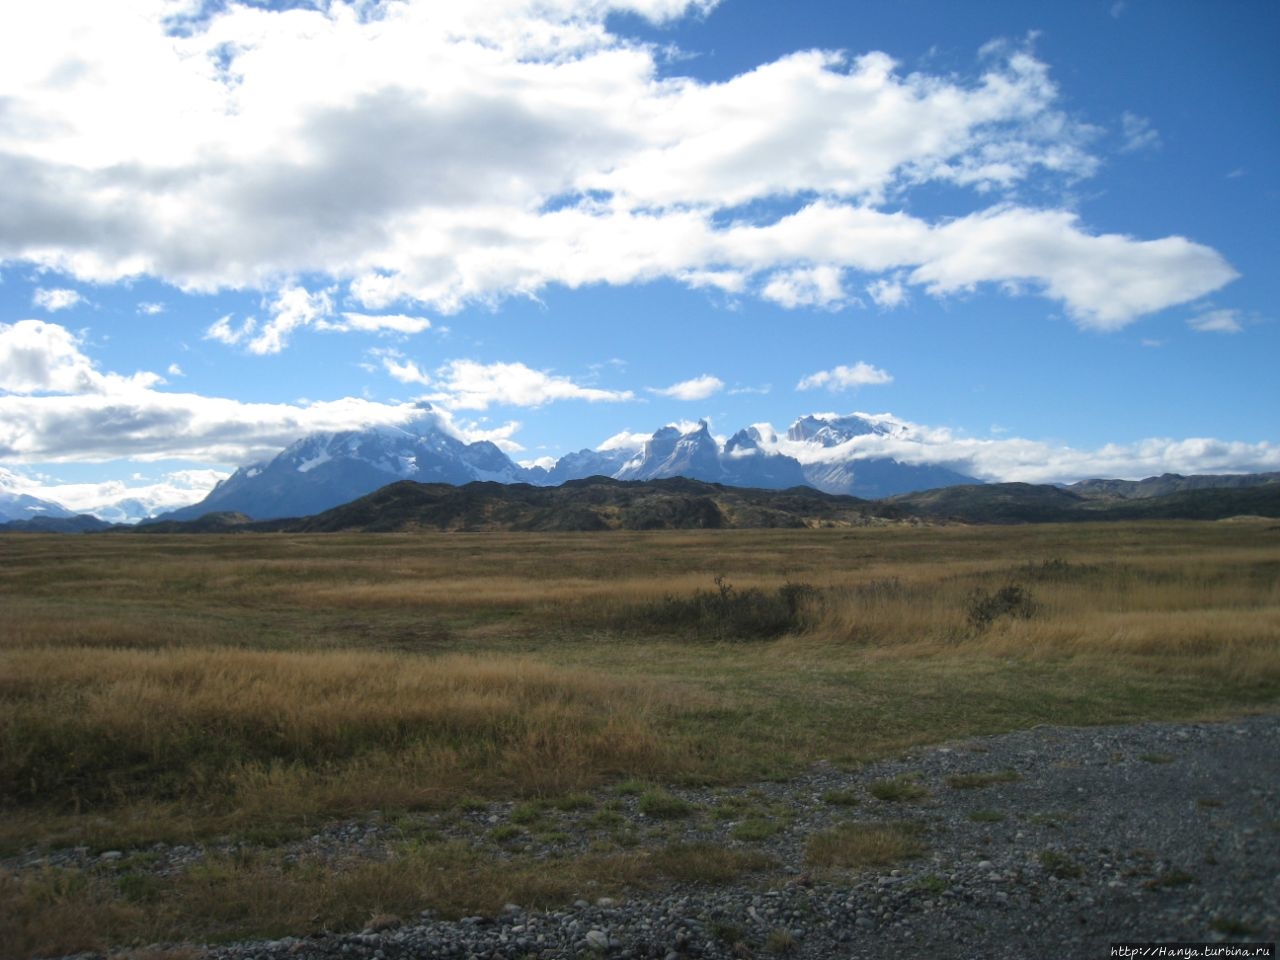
(841, 456)
(325, 470)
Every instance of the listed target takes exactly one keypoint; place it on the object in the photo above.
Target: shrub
(727, 613)
(1011, 600)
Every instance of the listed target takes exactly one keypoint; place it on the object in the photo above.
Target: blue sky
(1042, 234)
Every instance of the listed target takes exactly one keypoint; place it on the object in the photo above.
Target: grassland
(179, 689)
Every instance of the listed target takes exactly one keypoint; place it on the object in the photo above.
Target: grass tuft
(859, 845)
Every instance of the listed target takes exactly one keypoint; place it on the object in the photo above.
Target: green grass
(862, 845)
(903, 789)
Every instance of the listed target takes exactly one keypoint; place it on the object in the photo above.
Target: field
(249, 688)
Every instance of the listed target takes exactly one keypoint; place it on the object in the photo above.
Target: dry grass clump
(861, 845)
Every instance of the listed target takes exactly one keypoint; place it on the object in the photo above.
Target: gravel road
(1060, 842)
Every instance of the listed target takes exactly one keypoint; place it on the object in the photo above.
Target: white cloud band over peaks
(467, 152)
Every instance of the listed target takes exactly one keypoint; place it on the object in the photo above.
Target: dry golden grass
(178, 688)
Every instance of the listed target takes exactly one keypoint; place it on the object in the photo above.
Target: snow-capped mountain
(324, 470)
(834, 454)
(854, 455)
(695, 453)
(576, 466)
(16, 505)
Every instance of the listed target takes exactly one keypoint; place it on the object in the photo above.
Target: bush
(1011, 600)
(727, 613)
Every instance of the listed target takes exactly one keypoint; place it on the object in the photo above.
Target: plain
(196, 689)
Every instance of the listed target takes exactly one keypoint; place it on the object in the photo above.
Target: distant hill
(596, 503)
(1168, 483)
(602, 503)
(81, 523)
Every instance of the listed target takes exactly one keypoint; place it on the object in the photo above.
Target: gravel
(1046, 842)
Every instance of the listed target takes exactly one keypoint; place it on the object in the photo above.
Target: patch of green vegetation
(505, 832)
(1170, 878)
(1230, 927)
(531, 811)
(903, 789)
(856, 845)
(841, 798)
(706, 863)
(574, 801)
(972, 781)
(756, 828)
(1158, 758)
(663, 805)
(1060, 865)
(932, 884)
(780, 942)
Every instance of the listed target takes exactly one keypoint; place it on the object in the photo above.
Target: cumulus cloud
(845, 378)
(1217, 321)
(1007, 458)
(812, 287)
(38, 357)
(699, 388)
(469, 385)
(468, 152)
(57, 299)
(888, 293)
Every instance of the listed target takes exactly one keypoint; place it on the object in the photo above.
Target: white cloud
(292, 308)
(222, 330)
(1138, 133)
(150, 309)
(39, 357)
(811, 287)
(468, 152)
(55, 300)
(117, 501)
(845, 378)
(625, 440)
(405, 371)
(390, 323)
(1033, 461)
(699, 388)
(175, 370)
(468, 385)
(1217, 321)
(888, 293)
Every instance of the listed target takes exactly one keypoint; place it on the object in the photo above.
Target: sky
(1041, 234)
